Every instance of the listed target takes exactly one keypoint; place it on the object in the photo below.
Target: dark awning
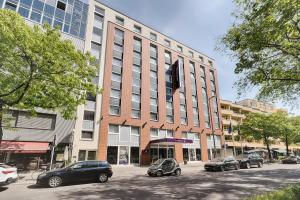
(171, 140)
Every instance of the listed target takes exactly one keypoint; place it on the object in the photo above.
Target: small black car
(291, 160)
(221, 164)
(164, 166)
(250, 160)
(84, 171)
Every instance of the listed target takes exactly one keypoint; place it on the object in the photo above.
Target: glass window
(26, 3)
(134, 155)
(184, 135)
(115, 93)
(114, 110)
(191, 54)
(47, 20)
(112, 155)
(58, 24)
(38, 5)
(92, 156)
(10, 6)
(120, 20)
(87, 135)
(35, 16)
(95, 50)
(153, 36)
(170, 134)
(154, 132)
(179, 48)
(113, 128)
(137, 29)
(81, 155)
(23, 12)
(61, 5)
(135, 130)
(167, 43)
(98, 21)
(123, 155)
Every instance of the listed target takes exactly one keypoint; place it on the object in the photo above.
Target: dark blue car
(84, 171)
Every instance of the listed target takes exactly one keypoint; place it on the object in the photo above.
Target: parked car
(249, 160)
(291, 160)
(164, 166)
(84, 171)
(8, 174)
(221, 164)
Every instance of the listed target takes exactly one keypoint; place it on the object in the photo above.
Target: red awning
(24, 147)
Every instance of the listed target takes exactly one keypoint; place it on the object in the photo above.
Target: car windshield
(158, 162)
(217, 160)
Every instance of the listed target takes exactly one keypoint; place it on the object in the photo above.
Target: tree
(265, 41)
(260, 127)
(39, 69)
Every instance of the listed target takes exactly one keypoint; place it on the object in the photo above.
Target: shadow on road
(3, 188)
(219, 185)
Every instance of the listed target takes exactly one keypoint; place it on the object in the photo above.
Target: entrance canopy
(24, 147)
(169, 141)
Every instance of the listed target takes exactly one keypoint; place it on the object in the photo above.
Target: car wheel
(248, 165)
(259, 165)
(222, 169)
(178, 172)
(103, 178)
(159, 173)
(54, 181)
(237, 167)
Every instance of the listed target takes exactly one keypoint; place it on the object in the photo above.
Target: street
(194, 183)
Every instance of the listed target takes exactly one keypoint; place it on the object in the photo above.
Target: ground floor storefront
(126, 146)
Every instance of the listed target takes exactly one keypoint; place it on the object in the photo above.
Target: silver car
(164, 166)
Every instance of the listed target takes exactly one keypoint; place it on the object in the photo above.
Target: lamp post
(212, 124)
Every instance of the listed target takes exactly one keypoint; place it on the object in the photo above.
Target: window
(88, 115)
(210, 63)
(92, 156)
(167, 43)
(135, 131)
(81, 155)
(120, 20)
(179, 48)
(201, 58)
(61, 5)
(154, 132)
(184, 135)
(87, 135)
(113, 129)
(153, 36)
(137, 29)
(191, 54)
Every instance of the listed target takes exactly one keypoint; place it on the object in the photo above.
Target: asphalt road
(194, 183)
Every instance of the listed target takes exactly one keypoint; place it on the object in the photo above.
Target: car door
(74, 173)
(252, 160)
(227, 163)
(166, 166)
(92, 170)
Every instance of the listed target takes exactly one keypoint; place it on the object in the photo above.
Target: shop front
(24, 155)
(214, 146)
(123, 145)
(192, 151)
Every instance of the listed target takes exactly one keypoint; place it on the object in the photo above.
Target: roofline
(155, 30)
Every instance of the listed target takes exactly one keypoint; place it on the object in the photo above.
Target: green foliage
(39, 69)
(265, 41)
(291, 192)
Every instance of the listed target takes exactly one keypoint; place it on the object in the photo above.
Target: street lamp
(212, 124)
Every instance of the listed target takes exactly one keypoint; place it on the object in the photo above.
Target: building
(160, 97)
(234, 113)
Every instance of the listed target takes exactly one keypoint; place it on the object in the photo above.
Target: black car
(249, 160)
(163, 167)
(291, 160)
(84, 171)
(221, 164)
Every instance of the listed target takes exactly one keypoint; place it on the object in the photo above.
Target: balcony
(90, 105)
(226, 121)
(88, 125)
(226, 112)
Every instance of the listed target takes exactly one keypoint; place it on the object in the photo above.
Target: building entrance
(161, 152)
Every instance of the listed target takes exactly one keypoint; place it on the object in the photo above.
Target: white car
(8, 174)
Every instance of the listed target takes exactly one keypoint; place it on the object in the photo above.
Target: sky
(197, 23)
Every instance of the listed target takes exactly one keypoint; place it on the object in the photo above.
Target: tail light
(8, 171)
(110, 168)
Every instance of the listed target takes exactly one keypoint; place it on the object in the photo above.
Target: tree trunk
(287, 144)
(1, 121)
(268, 147)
